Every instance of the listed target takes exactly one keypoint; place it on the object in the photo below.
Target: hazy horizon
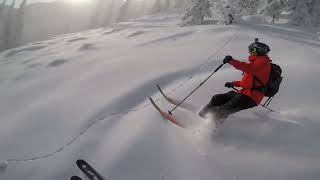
(28, 1)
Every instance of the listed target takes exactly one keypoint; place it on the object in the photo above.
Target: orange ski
(173, 101)
(165, 115)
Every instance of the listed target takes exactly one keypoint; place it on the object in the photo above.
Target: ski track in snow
(236, 132)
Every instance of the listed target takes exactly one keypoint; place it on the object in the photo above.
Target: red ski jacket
(259, 66)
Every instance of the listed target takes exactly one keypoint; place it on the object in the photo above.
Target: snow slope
(85, 95)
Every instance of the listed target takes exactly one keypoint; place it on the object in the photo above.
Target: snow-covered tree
(228, 15)
(167, 5)
(103, 13)
(109, 13)
(306, 12)
(2, 25)
(272, 9)
(247, 7)
(179, 3)
(13, 4)
(23, 5)
(315, 12)
(20, 21)
(2, 6)
(288, 5)
(198, 10)
(124, 11)
(156, 6)
(224, 11)
(9, 26)
(13, 26)
(96, 14)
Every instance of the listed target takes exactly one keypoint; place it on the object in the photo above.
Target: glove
(228, 85)
(227, 59)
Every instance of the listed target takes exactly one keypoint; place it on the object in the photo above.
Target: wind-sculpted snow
(137, 33)
(87, 46)
(57, 62)
(114, 30)
(77, 39)
(19, 50)
(174, 37)
(88, 99)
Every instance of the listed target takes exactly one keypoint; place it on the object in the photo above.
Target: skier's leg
(236, 104)
(220, 99)
(217, 100)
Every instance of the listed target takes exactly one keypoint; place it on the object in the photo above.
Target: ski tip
(80, 161)
(152, 101)
(159, 88)
(75, 178)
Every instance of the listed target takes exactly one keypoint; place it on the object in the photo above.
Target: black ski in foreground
(75, 178)
(88, 170)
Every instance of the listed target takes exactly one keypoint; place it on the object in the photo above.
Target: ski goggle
(252, 50)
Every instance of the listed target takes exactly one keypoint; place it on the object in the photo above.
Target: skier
(255, 72)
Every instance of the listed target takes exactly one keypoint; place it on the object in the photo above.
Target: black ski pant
(222, 105)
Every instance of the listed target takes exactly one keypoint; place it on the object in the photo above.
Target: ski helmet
(258, 48)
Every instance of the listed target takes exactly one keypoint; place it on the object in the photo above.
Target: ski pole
(170, 112)
(269, 108)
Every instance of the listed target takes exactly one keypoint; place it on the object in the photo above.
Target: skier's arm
(243, 84)
(236, 83)
(247, 67)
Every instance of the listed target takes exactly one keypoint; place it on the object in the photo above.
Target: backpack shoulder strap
(256, 78)
(261, 89)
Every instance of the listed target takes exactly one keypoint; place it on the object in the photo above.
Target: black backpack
(273, 84)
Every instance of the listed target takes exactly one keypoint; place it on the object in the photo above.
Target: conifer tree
(195, 14)
(272, 9)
